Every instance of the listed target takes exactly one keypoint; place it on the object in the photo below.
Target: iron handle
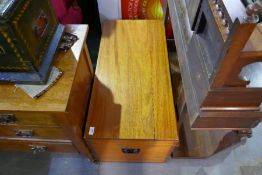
(6, 119)
(24, 133)
(38, 148)
(130, 150)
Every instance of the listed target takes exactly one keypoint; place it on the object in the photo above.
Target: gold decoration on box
(18, 29)
(12, 45)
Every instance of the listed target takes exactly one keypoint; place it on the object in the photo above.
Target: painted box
(29, 35)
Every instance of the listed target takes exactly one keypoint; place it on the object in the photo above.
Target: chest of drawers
(54, 122)
(131, 114)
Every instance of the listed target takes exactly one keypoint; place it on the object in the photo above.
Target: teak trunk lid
(132, 95)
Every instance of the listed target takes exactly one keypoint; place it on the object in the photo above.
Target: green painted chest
(29, 35)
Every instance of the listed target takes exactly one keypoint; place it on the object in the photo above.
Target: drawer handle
(38, 148)
(130, 150)
(24, 133)
(6, 119)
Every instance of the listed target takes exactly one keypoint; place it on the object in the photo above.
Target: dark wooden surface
(230, 55)
(211, 113)
(211, 63)
(202, 143)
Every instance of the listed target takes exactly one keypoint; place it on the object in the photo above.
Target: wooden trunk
(131, 114)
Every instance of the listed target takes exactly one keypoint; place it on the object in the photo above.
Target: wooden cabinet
(131, 114)
(53, 122)
(218, 108)
(211, 57)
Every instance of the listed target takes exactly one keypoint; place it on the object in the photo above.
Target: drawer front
(30, 133)
(130, 151)
(29, 119)
(37, 147)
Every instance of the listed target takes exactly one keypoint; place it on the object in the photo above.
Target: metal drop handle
(130, 150)
(6, 119)
(24, 133)
(38, 148)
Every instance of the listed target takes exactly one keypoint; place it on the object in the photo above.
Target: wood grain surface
(35, 119)
(132, 93)
(27, 146)
(38, 133)
(149, 151)
(255, 41)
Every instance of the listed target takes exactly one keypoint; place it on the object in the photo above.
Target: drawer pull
(24, 133)
(130, 150)
(38, 149)
(6, 119)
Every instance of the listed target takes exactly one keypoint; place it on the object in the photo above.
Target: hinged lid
(132, 93)
(5, 5)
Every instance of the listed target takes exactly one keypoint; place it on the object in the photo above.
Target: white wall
(109, 9)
